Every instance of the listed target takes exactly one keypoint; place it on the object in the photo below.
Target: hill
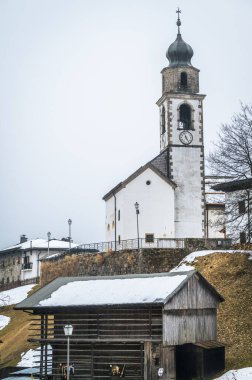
(14, 335)
(230, 273)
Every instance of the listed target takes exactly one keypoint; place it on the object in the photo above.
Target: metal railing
(17, 283)
(129, 244)
(27, 266)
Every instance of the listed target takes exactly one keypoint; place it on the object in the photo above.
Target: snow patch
(183, 265)
(15, 295)
(4, 321)
(114, 291)
(31, 357)
(27, 359)
(237, 374)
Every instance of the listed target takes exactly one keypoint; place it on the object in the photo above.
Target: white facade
(32, 251)
(155, 196)
(176, 209)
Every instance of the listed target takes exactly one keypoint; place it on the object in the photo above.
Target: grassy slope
(14, 336)
(231, 274)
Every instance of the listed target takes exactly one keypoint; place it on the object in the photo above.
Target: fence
(191, 244)
(15, 284)
(129, 244)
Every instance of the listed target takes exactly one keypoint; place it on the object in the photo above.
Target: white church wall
(156, 205)
(188, 209)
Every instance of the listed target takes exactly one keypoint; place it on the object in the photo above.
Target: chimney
(23, 238)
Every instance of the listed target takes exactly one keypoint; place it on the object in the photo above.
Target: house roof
(140, 289)
(40, 244)
(212, 196)
(240, 184)
(159, 165)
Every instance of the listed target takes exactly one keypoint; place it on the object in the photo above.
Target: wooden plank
(147, 361)
(168, 362)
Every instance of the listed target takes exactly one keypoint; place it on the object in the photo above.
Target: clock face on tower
(186, 137)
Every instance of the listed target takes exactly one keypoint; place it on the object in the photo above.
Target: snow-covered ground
(31, 357)
(237, 374)
(184, 264)
(14, 296)
(4, 321)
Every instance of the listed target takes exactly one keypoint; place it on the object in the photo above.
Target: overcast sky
(79, 80)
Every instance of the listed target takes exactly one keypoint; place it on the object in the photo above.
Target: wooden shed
(128, 327)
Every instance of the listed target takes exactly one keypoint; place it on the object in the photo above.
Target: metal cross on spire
(178, 11)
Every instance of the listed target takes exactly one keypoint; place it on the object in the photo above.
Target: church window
(119, 215)
(163, 121)
(185, 116)
(148, 182)
(149, 238)
(242, 237)
(242, 208)
(183, 79)
(108, 227)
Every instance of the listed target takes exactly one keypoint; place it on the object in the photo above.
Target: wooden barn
(139, 327)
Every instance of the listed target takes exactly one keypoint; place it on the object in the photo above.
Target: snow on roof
(41, 244)
(237, 374)
(107, 290)
(215, 197)
(15, 295)
(114, 291)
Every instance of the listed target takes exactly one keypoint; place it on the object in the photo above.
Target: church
(168, 192)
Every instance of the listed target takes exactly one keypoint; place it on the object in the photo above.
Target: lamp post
(69, 224)
(48, 241)
(137, 213)
(68, 330)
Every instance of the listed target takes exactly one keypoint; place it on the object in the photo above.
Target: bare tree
(232, 156)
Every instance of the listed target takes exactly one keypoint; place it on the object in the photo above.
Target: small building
(131, 327)
(20, 263)
(215, 207)
(238, 208)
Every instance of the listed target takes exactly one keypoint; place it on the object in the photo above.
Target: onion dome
(179, 52)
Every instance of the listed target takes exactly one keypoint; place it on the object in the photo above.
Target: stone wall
(123, 262)
(10, 267)
(111, 263)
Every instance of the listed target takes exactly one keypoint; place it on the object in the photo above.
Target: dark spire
(178, 11)
(179, 52)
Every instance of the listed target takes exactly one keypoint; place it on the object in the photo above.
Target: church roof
(159, 165)
(179, 52)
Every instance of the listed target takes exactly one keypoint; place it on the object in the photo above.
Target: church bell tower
(181, 136)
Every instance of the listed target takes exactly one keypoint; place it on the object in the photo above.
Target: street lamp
(69, 224)
(68, 330)
(48, 241)
(137, 213)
